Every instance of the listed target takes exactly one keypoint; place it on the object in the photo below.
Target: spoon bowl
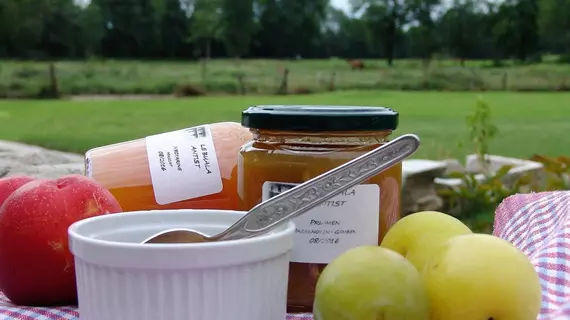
(178, 235)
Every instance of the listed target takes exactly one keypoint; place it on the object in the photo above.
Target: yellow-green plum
(418, 235)
(370, 283)
(481, 277)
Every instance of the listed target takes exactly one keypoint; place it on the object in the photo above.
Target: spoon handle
(312, 193)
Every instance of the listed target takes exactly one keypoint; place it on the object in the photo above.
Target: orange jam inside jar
(292, 144)
(190, 168)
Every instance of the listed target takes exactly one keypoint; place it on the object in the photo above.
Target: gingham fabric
(10, 312)
(537, 223)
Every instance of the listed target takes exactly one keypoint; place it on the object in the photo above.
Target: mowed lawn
(529, 123)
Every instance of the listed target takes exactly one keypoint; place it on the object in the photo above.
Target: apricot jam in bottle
(189, 168)
(292, 144)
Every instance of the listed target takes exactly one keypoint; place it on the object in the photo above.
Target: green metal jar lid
(319, 118)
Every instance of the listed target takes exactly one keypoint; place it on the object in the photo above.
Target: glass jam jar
(292, 144)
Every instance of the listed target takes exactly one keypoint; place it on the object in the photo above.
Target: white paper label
(183, 164)
(344, 222)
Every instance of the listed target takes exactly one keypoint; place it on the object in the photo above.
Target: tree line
(285, 29)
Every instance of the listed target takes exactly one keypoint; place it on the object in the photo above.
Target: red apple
(10, 184)
(36, 266)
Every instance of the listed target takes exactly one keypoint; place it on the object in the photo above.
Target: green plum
(370, 283)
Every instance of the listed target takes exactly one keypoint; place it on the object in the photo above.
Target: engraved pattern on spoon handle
(317, 190)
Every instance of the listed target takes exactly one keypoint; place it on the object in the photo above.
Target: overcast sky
(341, 4)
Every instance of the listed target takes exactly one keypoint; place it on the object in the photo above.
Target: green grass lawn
(528, 123)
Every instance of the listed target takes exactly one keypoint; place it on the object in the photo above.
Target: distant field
(26, 79)
(529, 123)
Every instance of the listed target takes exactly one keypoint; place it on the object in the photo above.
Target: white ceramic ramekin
(120, 279)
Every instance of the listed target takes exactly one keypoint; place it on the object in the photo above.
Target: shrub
(473, 196)
(564, 58)
(557, 171)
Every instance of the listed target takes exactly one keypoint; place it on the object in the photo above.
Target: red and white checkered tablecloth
(8, 311)
(537, 223)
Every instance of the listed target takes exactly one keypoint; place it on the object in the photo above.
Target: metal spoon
(298, 200)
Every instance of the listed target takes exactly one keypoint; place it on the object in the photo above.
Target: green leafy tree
(61, 32)
(21, 23)
(92, 27)
(384, 20)
(174, 28)
(460, 29)
(205, 24)
(131, 28)
(344, 36)
(290, 28)
(515, 29)
(554, 23)
(426, 40)
(237, 26)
